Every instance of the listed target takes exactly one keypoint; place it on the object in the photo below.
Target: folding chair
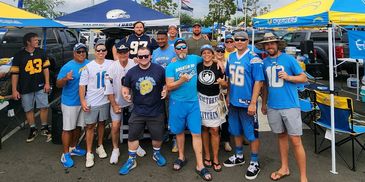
(308, 108)
(344, 124)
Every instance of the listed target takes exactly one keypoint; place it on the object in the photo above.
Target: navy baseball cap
(179, 41)
(79, 46)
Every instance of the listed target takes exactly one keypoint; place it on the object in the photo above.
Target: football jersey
(113, 82)
(163, 57)
(242, 72)
(133, 42)
(282, 94)
(93, 76)
(29, 67)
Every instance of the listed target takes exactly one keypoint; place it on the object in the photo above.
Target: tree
(45, 8)
(165, 6)
(220, 10)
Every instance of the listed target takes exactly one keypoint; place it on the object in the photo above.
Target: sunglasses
(229, 42)
(101, 50)
(180, 47)
(80, 52)
(238, 39)
(220, 51)
(143, 56)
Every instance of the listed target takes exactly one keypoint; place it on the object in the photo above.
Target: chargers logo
(360, 44)
(319, 19)
(117, 13)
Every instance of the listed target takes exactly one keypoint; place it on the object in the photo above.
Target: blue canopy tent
(317, 13)
(116, 13)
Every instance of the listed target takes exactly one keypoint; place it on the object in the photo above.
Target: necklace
(207, 67)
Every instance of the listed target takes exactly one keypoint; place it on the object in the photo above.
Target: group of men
(142, 77)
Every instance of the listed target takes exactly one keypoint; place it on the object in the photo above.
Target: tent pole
(253, 38)
(332, 99)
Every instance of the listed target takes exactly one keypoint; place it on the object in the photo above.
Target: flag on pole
(239, 7)
(185, 7)
(20, 4)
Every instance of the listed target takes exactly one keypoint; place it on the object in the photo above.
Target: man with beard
(164, 54)
(181, 80)
(197, 40)
(281, 96)
(136, 40)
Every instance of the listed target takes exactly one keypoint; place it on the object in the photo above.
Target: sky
(201, 8)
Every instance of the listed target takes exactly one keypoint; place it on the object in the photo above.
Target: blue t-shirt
(146, 86)
(188, 90)
(242, 73)
(70, 92)
(255, 50)
(163, 57)
(172, 42)
(282, 94)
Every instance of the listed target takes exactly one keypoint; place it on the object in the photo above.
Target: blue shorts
(184, 114)
(38, 97)
(240, 122)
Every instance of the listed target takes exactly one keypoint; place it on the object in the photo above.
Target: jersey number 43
(33, 66)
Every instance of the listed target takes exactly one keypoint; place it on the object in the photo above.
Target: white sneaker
(115, 156)
(89, 160)
(141, 152)
(101, 152)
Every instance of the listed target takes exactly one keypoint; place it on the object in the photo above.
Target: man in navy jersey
(136, 40)
(245, 73)
(281, 96)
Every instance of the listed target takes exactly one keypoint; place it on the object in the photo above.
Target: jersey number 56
(237, 75)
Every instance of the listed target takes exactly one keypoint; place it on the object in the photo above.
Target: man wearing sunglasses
(95, 104)
(245, 72)
(146, 82)
(197, 40)
(181, 80)
(229, 45)
(73, 117)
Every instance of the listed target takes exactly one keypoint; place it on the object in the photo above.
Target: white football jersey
(93, 76)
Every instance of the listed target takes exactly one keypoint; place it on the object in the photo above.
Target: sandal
(217, 167)
(208, 161)
(180, 163)
(279, 175)
(203, 173)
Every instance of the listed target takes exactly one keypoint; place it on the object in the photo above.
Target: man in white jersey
(95, 104)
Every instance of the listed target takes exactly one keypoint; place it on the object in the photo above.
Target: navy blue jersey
(134, 42)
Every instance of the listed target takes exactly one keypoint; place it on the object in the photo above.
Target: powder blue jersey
(70, 92)
(282, 94)
(188, 90)
(242, 73)
(163, 57)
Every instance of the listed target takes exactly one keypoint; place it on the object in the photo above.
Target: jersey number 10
(100, 77)
(272, 74)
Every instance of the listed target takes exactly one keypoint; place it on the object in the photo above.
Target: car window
(323, 36)
(299, 36)
(70, 36)
(51, 38)
(288, 37)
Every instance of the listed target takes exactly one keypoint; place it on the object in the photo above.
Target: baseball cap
(206, 47)
(100, 42)
(220, 46)
(172, 26)
(197, 24)
(241, 34)
(79, 46)
(122, 49)
(229, 36)
(179, 41)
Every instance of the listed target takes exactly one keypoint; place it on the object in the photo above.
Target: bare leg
(115, 134)
(284, 150)
(197, 145)
(101, 127)
(238, 141)
(299, 156)
(30, 117)
(133, 145)
(66, 140)
(206, 145)
(89, 137)
(156, 143)
(76, 133)
(255, 145)
(215, 143)
(43, 115)
(180, 139)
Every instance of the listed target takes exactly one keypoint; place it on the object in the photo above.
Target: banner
(357, 44)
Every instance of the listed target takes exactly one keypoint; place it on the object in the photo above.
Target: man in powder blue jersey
(281, 96)
(245, 73)
(164, 54)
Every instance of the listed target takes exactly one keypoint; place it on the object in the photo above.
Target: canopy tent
(318, 13)
(116, 13)
(14, 17)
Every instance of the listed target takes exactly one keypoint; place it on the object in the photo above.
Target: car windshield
(2, 33)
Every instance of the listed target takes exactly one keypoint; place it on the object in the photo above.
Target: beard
(273, 53)
(196, 33)
(181, 55)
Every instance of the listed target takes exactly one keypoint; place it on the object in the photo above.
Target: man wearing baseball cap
(197, 40)
(172, 31)
(281, 103)
(229, 44)
(73, 117)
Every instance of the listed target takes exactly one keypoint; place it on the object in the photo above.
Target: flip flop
(215, 167)
(180, 163)
(279, 175)
(203, 172)
(209, 161)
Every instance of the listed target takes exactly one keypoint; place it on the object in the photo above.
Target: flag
(239, 8)
(186, 1)
(185, 7)
(357, 44)
(20, 4)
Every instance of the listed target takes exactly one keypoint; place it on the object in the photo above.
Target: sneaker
(227, 147)
(101, 152)
(174, 146)
(129, 165)
(141, 152)
(78, 151)
(66, 160)
(45, 131)
(89, 160)
(234, 161)
(159, 158)
(32, 134)
(114, 157)
(253, 170)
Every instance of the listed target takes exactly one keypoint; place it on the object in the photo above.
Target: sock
(32, 125)
(115, 149)
(254, 157)
(239, 152)
(44, 126)
(71, 148)
(155, 150)
(132, 153)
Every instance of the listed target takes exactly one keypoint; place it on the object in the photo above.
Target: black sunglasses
(101, 50)
(143, 56)
(220, 50)
(238, 39)
(80, 52)
(230, 41)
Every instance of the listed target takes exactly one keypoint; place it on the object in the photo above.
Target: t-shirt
(226, 53)
(146, 86)
(242, 72)
(163, 57)
(134, 42)
(29, 67)
(207, 78)
(188, 90)
(172, 42)
(282, 94)
(113, 82)
(70, 92)
(93, 76)
(195, 45)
